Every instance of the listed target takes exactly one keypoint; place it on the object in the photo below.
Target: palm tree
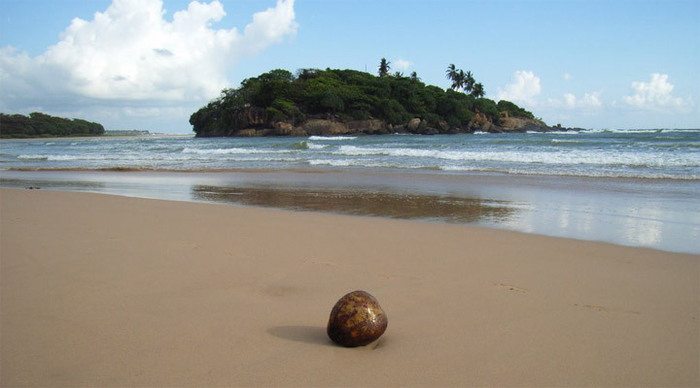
(452, 73)
(464, 81)
(384, 67)
(468, 82)
(478, 90)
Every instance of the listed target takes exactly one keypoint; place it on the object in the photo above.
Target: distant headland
(42, 125)
(340, 102)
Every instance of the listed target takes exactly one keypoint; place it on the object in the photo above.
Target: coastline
(656, 213)
(319, 169)
(108, 290)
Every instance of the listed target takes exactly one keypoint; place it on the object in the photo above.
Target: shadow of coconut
(307, 334)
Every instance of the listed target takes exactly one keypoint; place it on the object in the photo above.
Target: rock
(298, 131)
(356, 320)
(281, 125)
(371, 126)
(325, 127)
(398, 128)
(479, 120)
(413, 124)
(281, 128)
(430, 131)
(521, 124)
(248, 132)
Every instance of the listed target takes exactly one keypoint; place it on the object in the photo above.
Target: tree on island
(468, 81)
(281, 103)
(384, 67)
(478, 90)
(42, 125)
(464, 81)
(454, 75)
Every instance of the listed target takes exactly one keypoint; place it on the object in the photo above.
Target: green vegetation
(279, 96)
(464, 81)
(514, 110)
(42, 125)
(384, 67)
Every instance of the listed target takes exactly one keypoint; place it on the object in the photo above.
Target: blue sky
(596, 64)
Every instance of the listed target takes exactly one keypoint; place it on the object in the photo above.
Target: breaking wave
(560, 157)
(332, 138)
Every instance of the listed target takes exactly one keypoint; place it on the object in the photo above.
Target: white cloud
(401, 64)
(588, 101)
(567, 77)
(655, 94)
(524, 87)
(130, 55)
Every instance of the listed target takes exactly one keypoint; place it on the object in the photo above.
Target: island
(342, 102)
(42, 125)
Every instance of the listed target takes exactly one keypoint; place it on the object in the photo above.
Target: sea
(631, 187)
(650, 154)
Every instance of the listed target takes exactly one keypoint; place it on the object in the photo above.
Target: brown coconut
(356, 320)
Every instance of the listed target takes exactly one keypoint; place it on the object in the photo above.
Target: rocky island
(344, 102)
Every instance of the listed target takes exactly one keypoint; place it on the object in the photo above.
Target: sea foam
(557, 157)
(60, 158)
(332, 138)
(235, 150)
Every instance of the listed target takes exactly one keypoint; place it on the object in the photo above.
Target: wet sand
(367, 203)
(658, 213)
(100, 290)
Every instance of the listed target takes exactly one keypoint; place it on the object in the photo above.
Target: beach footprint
(511, 288)
(603, 309)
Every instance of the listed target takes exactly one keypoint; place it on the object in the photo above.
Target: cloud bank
(130, 57)
(655, 94)
(587, 101)
(524, 87)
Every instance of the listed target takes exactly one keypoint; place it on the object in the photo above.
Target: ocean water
(649, 154)
(638, 188)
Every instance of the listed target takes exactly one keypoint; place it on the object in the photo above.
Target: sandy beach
(100, 290)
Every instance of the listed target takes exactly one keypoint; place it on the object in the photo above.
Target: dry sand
(113, 291)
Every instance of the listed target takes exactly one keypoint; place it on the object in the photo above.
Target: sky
(149, 64)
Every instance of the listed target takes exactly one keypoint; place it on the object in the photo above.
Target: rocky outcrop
(248, 132)
(254, 116)
(413, 124)
(481, 122)
(325, 127)
(253, 121)
(519, 124)
(369, 127)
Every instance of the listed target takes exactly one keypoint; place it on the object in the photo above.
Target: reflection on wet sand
(50, 184)
(355, 202)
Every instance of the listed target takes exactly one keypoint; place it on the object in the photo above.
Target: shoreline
(318, 169)
(109, 290)
(369, 217)
(661, 214)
